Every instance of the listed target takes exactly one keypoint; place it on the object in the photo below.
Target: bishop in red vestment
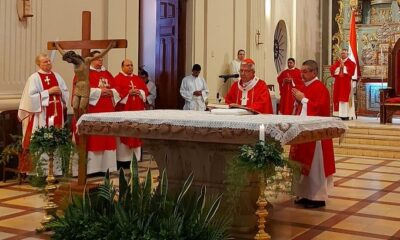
(133, 93)
(249, 91)
(42, 104)
(103, 98)
(342, 70)
(317, 158)
(288, 79)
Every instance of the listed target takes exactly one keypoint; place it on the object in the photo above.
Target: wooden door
(169, 53)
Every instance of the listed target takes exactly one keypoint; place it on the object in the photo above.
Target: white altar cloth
(282, 128)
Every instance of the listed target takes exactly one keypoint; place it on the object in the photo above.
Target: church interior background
(365, 203)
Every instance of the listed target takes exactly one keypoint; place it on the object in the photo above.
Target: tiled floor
(365, 205)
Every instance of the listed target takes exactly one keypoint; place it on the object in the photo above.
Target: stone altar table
(188, 141)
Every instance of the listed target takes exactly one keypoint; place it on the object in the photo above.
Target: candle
(51, 121)
(262, 132)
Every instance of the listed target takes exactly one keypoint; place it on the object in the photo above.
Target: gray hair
(311, 65)
(40, 55)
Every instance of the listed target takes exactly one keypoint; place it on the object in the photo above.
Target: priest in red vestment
(103, 98)
(317, 158)
(343, 70)
(42, 104)
(133, 93)
(287, 80)
(249, 91)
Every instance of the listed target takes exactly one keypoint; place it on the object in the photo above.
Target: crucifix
(80, 98)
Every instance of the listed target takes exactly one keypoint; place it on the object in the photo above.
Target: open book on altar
(225, 109)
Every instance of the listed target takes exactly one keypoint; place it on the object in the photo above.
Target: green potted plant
(56, 143)
(11, 152)
(134, 210)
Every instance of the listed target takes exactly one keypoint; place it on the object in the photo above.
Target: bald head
(127, 66)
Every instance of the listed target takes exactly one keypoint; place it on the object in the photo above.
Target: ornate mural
(378, 28)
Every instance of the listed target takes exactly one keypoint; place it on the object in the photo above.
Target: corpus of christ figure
(80, 95)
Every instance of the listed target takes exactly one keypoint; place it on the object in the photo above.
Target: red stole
(101, 79)
(318, 105)
(55, 107)
(258, 97)
(133, 103)
(342, 84)
(287, 100)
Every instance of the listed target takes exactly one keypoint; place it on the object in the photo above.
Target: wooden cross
(86, 44)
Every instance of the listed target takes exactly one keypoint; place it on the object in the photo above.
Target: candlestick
(51, 121)
(262, 133)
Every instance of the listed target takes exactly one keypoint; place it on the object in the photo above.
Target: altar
(201, 142)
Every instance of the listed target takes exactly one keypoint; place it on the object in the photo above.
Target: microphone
(226, 76)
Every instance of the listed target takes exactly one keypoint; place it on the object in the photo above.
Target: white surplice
(188, 86)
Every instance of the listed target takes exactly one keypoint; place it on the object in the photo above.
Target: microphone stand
(218, 95)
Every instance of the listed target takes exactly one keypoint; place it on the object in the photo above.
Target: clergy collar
(98, 70)
(43, 72)
(344, 60)
(309, 82)
(248, 85)
(126, 75)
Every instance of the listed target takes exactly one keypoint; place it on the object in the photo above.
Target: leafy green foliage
(267, 159)
(51, 140)
(136, 211)
(12, 150)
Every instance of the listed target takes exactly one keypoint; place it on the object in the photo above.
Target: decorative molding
(375, 2)
(338, 37)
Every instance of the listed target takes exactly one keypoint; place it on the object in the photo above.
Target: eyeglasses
(245, 70)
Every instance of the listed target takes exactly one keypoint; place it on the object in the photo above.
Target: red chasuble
(258, 97)
(287, 100)
(133, 103)
(101, 79)
(318, 105)
(342, 84)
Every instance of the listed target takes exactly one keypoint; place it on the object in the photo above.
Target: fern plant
(136, 211)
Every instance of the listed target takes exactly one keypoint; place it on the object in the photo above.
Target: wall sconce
(24, 9)
(258, 35)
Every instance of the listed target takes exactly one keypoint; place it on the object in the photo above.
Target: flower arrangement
(52, 141)
(266, 159)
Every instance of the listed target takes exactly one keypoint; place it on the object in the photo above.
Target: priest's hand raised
(297, 94)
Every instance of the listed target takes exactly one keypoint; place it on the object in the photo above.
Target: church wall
(147, 33)
(214, 38)
(20, 42)
(308, 34)
(215, 31)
